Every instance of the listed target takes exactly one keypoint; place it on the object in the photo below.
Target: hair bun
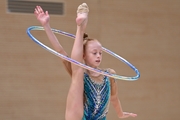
(85, 36)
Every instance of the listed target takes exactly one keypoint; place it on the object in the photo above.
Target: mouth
(98, 61)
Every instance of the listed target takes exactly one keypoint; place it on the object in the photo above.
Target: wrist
(124, 115)
(46, 25)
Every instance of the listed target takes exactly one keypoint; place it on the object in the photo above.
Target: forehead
(93, 45)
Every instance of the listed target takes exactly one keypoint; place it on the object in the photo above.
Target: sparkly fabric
(96, 98)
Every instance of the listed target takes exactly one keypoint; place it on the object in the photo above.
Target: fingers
(47, 13)
(130, 114)
(133, 115)
(38, 10)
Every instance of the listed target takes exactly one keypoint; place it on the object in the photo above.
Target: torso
(97, 95)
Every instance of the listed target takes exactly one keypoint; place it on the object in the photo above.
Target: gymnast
(90, 93)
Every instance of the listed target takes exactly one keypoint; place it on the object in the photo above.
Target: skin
(92, 56)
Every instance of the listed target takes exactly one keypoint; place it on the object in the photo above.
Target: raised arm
(43, 18)
(115, 100)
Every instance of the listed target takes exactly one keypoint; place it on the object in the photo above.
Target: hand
(126, 114)
(42, 16)
(132, 114)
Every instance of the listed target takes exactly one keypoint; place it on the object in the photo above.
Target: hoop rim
(115, 76)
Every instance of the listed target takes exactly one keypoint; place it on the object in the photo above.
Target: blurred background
(34, 83)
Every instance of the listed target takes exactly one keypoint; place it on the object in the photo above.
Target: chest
(96, 89)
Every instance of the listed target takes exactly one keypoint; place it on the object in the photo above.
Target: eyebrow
(95, 50)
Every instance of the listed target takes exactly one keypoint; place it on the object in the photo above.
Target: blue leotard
(97, 97)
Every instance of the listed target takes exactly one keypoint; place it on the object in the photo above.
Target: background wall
(34, 84)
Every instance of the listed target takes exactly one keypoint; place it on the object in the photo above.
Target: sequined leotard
(96, 98)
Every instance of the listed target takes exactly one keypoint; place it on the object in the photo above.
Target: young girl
(90, 93)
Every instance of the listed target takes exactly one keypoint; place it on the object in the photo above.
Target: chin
(97, 65)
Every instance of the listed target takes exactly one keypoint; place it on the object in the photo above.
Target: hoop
(81, 64)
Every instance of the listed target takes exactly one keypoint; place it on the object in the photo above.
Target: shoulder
(109, 70)
(112, 71)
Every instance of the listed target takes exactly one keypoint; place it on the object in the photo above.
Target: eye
(95, 53)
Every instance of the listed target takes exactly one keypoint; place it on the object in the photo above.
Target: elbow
(114, 98)
(59, 50)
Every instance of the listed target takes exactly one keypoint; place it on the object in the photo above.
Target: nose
(98, 55)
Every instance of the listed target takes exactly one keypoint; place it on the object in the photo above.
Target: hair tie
(85, 36)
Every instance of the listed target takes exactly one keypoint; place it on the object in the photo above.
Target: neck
(93, 74)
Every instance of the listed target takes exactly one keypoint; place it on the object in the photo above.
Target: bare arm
(115, 100)
(57, 46)
(43, 18)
